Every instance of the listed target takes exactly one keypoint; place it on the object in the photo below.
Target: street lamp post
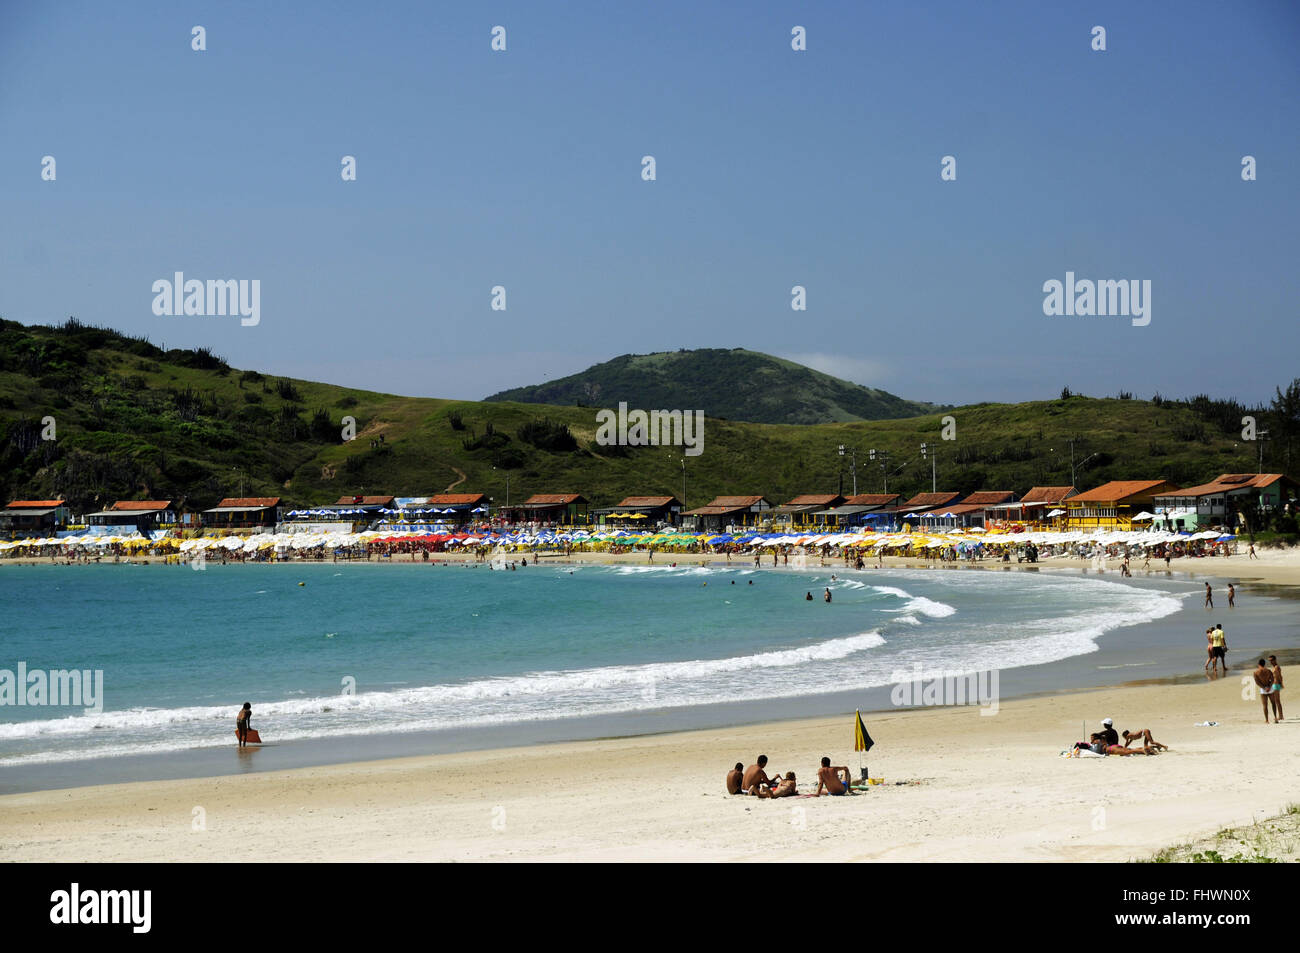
(683, 484)
(852, 453)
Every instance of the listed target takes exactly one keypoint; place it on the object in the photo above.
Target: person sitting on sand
(1144, 735)
(755, 776)
(784, 788)
(828, 777)
(1264, 682)
(1108, 733)
(734, 777)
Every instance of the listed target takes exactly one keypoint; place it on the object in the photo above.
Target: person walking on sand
(1209, 596)
(1275, 697)
(1264, 682)
(1210, 656)
(1252, 552)
(243, 722)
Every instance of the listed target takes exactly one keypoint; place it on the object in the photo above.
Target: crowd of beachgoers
(852, 548)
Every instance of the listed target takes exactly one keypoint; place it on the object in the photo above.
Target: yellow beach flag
(861, 740)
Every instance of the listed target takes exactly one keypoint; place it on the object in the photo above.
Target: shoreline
(990, 788)
(978, 788)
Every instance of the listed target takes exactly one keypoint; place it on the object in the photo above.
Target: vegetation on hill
(134, 421)
(733, 384)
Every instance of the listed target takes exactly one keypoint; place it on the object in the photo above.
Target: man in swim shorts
(829, 778)
(1264, 682)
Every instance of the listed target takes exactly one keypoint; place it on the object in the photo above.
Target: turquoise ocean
(363, 649)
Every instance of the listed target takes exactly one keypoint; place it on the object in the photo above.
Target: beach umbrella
(862, 742)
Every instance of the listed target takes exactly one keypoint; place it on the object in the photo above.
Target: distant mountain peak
(730, 383)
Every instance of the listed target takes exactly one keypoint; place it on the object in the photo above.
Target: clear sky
(775, 168)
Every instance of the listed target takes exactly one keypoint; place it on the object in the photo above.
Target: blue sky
(775, 168)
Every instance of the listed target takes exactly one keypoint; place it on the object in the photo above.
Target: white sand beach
(980, 788)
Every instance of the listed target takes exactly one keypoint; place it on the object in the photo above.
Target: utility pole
(883, 457)
(683, 484)
(853, 456)
(1260, 436)
(928, 450)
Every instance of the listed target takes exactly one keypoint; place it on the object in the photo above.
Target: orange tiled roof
(363, 500)
(931, 499)
(816, 499)
(1229, 481)
(34, 504)
(129, 505)
(733, 502)
(989, 497)
(1047, 494)
(871, 499)
(453, 499)
(1117, 490)
(648, 501)
(251, 502)
(553, 499)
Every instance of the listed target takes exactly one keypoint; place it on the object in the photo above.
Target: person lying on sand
(1121, 750)
(734, 777)
(756, 777)
(829, 778)
(1143, 735)
(785, 788)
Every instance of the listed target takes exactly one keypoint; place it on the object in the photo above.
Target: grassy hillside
(733, 384)
(134, 421)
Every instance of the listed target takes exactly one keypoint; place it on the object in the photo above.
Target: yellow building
(1113, 505)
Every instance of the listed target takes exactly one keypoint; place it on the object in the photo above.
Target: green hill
(134, 421)
(732, 384)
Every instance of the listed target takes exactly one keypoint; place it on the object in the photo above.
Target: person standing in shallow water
(827, 597)
(244, 721)
(1209, 597)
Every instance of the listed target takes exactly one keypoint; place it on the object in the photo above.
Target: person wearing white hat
(1108, 732)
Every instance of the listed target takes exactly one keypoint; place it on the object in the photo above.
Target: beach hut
(135, 516)
(33, 518)
(557, 508)
(246, 512)
(801, 510)
(723, 511)
(1113, 505)
(1223, 501)
(654, 510)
